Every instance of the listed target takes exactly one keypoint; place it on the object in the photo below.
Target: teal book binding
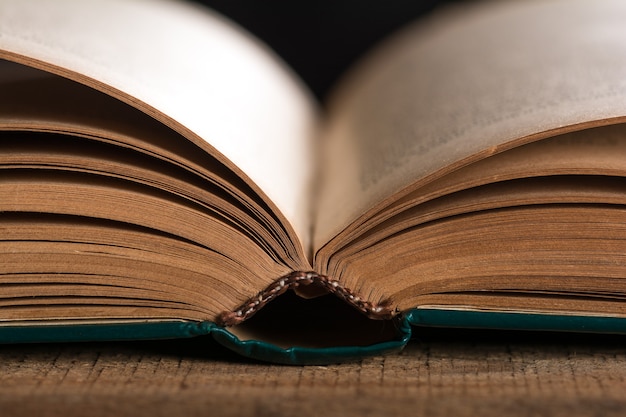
(102, 332)
(409, 324)
(514, 321)
(311, 356)
(254, 349)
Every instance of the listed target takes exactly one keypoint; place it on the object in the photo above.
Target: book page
(188, 68)
(598, 153)
(463, 86)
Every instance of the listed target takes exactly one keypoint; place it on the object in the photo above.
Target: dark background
(320, 39)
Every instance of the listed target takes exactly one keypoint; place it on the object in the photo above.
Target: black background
(320, 39)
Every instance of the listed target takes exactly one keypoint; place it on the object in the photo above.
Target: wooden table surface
(442, 373)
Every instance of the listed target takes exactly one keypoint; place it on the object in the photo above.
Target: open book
(164, 175)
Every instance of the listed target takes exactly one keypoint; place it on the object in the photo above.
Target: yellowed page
(463, 86)
(187, 67)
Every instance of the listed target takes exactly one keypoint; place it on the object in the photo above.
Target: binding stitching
(381, 311)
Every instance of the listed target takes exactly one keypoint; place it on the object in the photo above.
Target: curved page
(463, 86)
(189, 69)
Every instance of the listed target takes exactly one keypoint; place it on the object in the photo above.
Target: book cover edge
(450, 318)
(94, 332)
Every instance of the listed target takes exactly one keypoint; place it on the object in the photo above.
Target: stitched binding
(381, 311)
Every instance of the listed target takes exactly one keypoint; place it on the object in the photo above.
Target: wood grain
(442, 373)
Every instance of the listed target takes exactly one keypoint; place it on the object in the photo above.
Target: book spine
(296, 355)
